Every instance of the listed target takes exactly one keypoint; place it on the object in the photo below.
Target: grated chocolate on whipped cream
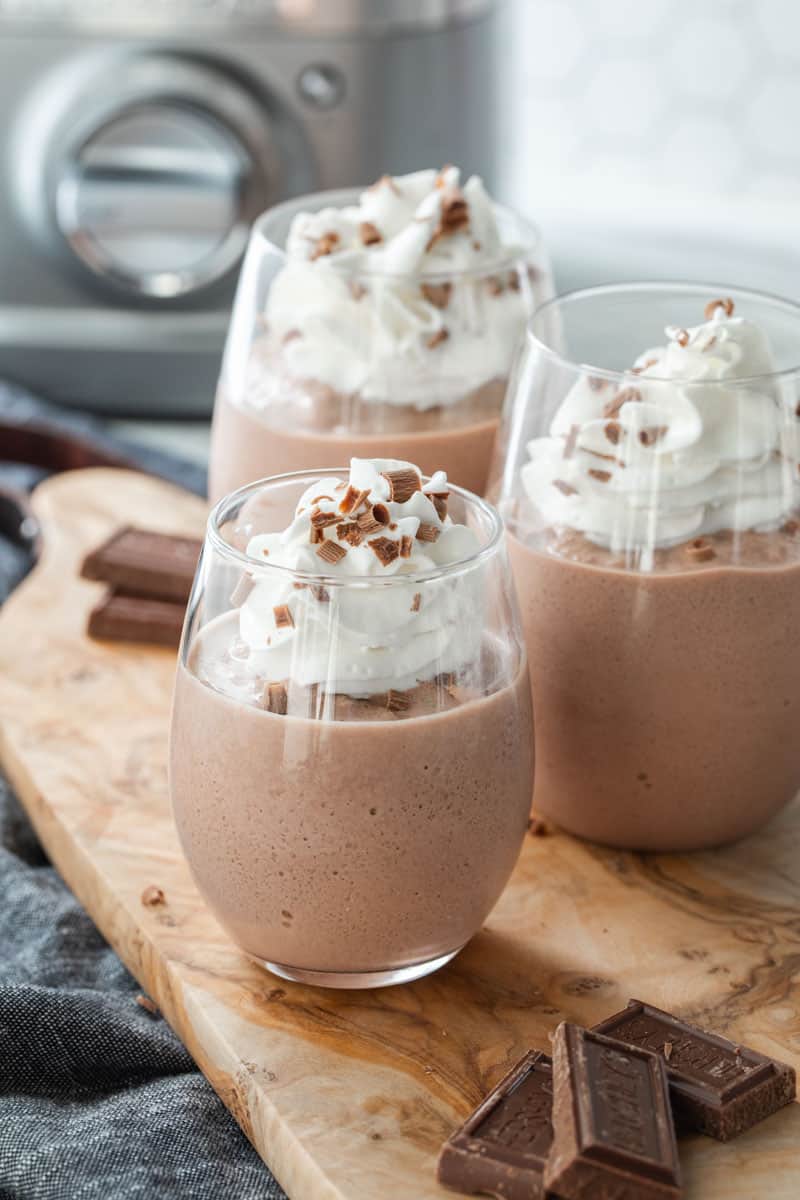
(385, 549)
(325, 245)
(628, 395)
(437, 294)
(725, 303)
(331, 552)
(352, 640)
(402, 484)
(283, 616)
(369, 233)
(704, 444)
(432, 243)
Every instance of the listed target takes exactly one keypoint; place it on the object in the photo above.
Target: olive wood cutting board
(349, 1095)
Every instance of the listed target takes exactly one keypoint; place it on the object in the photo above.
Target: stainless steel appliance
(141, 137)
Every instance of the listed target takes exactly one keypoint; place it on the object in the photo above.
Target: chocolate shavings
(652, 434)
(455, 212)
(385, 550)
(440, 504)
(276, 698)
(331, 552)
(628, 395)
(349, 531)
(572, 441)
(397, 701)
(321, 520)
(402, 484)
(368, 523)
(436, 339)
(370, 234)
(326, 244)
(700, 550)
(283, 616)
(725, 303)
(437, 294)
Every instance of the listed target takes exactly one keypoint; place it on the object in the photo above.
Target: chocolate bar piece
(120, 618)
(612, 1127)
(716, 1087)
(142, 562)
(501, 1149)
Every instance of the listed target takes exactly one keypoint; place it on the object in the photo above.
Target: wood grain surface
(348, 1095)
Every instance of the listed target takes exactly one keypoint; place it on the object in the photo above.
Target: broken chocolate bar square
(500, 1150)
(120, 618)
(716, 1086)
(612, 1127)
(142, 562)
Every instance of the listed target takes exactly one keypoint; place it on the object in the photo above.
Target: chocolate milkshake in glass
(375, 322)
(652, 505)
(351, 747)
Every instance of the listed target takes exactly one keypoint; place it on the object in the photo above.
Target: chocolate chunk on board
(120, 618)
(142, 562)
(613, 1137)
(500, 1150)
(715, 1086)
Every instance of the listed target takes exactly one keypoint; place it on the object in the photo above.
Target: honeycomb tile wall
(669, 115)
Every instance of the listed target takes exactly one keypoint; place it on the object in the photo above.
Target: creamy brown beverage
(656, 551)
(391, 325)
(249, 444)
(351, 768)
(384, 843)
(667, 705)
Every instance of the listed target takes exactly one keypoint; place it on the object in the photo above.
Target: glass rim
(523, 250)
(711, 290)
(215, 539)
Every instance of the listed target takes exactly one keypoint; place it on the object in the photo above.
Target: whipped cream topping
(409, 297)
(678, 451)
(382, 524)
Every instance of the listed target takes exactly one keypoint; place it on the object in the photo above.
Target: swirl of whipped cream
(351, 308)
(679, 451)
(382, 524)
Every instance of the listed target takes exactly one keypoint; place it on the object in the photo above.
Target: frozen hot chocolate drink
(655, 541)
(351, 758)
(385, 320)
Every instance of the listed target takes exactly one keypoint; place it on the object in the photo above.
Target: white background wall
(658, 137)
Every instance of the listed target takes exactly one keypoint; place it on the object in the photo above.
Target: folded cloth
(98, 1098)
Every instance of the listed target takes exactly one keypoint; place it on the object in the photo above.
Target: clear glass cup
(345, 840)
(436, 402)
(654, 535)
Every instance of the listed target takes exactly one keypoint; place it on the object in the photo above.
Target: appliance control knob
(160, 176)
(321, 85)
(154, 199)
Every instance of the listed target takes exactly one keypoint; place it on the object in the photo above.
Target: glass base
(357, 979)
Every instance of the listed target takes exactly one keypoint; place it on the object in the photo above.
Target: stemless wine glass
(409, 366)
(345, 836)
(651, 499)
